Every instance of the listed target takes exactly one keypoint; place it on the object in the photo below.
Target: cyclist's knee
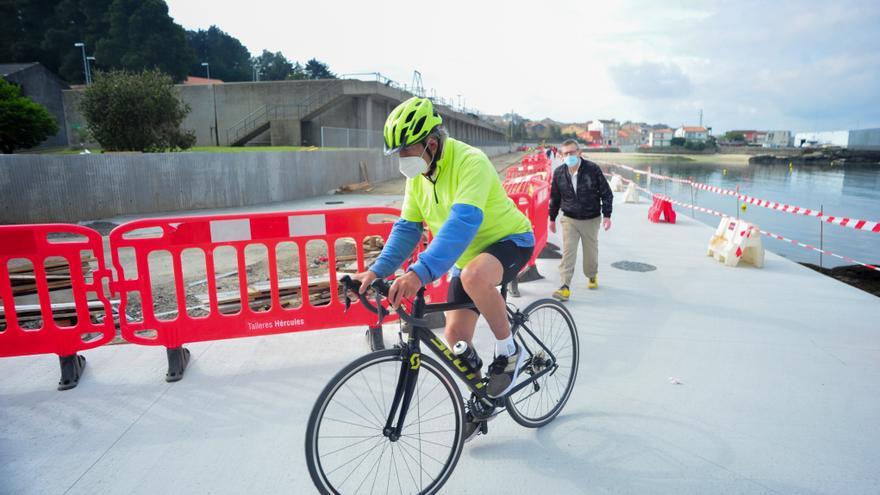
(479, 276)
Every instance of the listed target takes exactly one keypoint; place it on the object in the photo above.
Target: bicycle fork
(406, 385)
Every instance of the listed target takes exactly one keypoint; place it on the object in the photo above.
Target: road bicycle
(392, 421)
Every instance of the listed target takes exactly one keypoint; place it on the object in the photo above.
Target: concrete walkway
(779, 371)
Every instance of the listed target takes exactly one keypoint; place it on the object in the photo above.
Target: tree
(273, 66)
(229, 60)
(143, 36)
(318, 70)
(74, 21)
(23, 123)
(733, 136)
(129, 111)
(297, 73)
(677, 141)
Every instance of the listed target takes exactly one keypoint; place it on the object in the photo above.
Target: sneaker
(593, 283)
(562, 293)
(503, 372)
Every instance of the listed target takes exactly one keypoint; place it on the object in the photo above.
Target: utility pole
(701, 117)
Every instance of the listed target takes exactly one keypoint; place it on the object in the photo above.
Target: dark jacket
(593, 197)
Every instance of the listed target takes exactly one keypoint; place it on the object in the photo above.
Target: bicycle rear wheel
(548, 327)
(346, 449)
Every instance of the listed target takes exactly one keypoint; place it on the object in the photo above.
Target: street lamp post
(85, 62)
(207, 67)
(89, 61)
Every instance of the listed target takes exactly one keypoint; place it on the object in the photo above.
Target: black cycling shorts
(512, 257)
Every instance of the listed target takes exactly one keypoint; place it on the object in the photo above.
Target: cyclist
(454, 189)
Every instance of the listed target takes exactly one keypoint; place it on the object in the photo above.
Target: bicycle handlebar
(381, 287)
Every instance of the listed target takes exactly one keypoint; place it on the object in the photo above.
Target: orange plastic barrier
(77, 330)
(207, 234)
(533, 199)
(661, 206)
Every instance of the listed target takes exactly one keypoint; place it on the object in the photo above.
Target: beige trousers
(587, 232)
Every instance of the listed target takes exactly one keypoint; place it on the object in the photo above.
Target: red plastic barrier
(663, 206)
(208, 233)
(528, 171)
(533, 199)
(65, 338)
(537, 159)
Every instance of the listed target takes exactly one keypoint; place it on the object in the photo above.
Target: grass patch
(198, 149)
(248, 149)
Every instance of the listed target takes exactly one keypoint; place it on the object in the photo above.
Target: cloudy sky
(798, 65)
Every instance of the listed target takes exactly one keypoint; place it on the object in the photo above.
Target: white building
(660, 137)
(608, 128)
(822, 138)
(777, 139)
(859, 139)
(692, 133)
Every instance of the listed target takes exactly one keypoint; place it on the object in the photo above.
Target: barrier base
(550, 252)
(530, 274)
(178, 358)
(71, 369)
(375, 339)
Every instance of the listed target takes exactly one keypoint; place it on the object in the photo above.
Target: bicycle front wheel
(549, 338)
(346, 449)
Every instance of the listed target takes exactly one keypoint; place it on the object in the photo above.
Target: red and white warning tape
(818, 250)
(764, 232)
(853, 223)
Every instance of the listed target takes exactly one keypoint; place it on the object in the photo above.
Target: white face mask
(412, 166)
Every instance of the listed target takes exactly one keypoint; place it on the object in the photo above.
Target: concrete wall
(71, 188)
(864, 139)
(360, 105)
(43, 87)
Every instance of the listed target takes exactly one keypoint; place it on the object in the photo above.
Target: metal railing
(294, 111)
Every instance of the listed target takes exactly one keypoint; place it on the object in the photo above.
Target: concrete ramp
(778, 391)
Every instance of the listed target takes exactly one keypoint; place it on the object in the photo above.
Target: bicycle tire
(522, 406)
(392, 359)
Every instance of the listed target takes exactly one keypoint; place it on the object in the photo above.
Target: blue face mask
(572, 160)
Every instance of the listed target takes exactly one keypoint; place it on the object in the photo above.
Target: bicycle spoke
(352, 424)
(351, 454)
(362, 455)
(422, 452)
(370, 388)
(349, 446)
(379, 421)
(371, 470)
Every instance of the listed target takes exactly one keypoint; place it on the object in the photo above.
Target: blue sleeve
(454, 237)
(403, 240)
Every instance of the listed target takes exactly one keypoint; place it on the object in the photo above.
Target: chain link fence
(340, 137)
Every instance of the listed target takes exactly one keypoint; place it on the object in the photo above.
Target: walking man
(580, 190)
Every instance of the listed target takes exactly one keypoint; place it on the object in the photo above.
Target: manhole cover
(633, 266)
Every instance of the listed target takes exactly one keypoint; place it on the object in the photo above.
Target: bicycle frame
(411, 362)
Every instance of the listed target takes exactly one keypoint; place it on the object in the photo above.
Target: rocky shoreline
(856, 275)
(821, 156)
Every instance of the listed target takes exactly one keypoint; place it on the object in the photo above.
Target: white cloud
(748, 64)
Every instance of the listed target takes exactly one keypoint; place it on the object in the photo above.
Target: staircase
(260, 120)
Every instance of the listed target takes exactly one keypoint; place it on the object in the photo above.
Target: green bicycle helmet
(409, 123)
